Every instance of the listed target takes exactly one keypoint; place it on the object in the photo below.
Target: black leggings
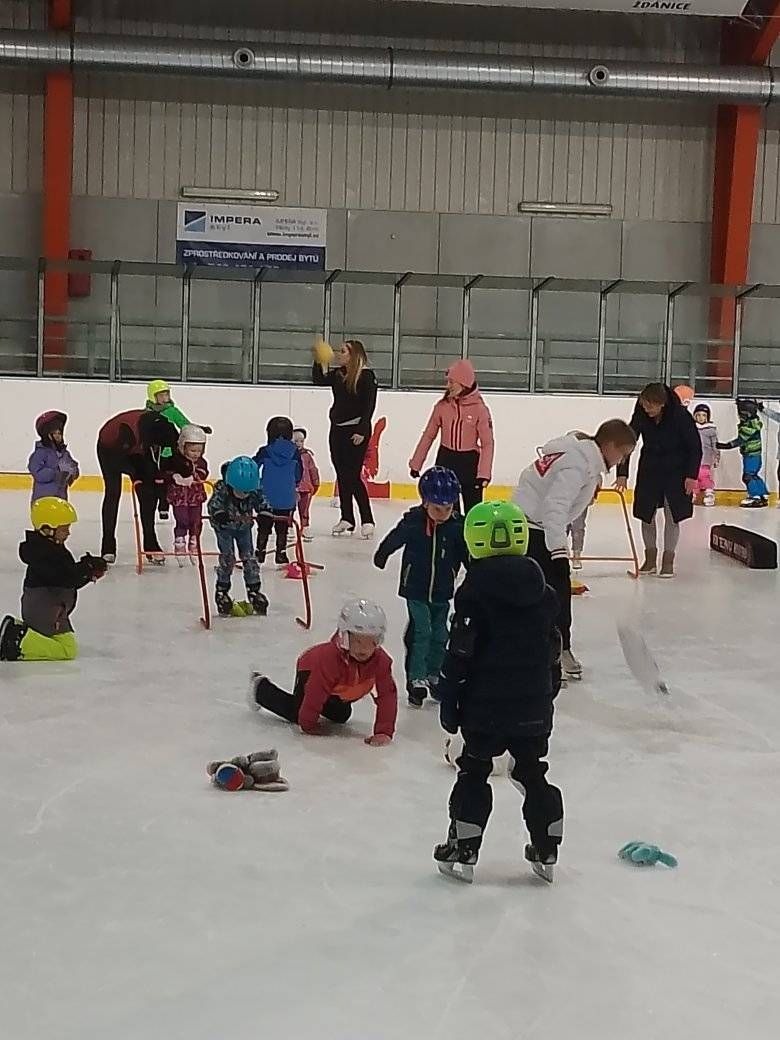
(557, 577)
(113, 464)
(347, 461)
(287, 705)
(280, 521)
(464, 465)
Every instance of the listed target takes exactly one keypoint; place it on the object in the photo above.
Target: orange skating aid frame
(205, 620)
(633, 558)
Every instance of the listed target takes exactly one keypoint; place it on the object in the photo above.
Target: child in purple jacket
(52, 466)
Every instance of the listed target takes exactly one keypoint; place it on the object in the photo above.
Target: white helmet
(362, 617)
(191, 435)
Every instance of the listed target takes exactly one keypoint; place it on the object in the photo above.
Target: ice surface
(139, 903)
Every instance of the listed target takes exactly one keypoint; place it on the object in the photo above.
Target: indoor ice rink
(536, 216)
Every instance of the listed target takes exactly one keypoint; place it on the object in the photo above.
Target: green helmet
(496, 529)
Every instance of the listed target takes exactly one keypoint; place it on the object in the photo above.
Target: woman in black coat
(354, 400)
(668, 469)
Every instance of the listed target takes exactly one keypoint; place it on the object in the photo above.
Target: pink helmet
(48, 421)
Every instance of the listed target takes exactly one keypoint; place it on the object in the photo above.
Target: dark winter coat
(281, 470)
(433, 555)
(50, 584)
(348, 407)
(501, 672)
(226, 510)
(671, 452)
(53, 470)
(137, 432)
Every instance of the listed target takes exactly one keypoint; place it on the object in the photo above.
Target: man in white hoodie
(552, 492)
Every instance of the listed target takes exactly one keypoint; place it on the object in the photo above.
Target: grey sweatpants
(671, 532)
(47, 610)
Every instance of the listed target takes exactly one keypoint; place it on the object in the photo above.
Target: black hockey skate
(433, 688)
(224, 602)
(12, 632)
(416, 690)
(542, 866)
(281, 559)
(258, 600)
(457, 857)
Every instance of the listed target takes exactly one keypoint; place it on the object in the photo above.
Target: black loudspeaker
(754, 550)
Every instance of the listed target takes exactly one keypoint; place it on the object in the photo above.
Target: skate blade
(573, 676)
(181, 562)
(545, 871)
(464, 871)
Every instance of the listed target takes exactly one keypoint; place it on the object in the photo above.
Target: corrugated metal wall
(369, 149)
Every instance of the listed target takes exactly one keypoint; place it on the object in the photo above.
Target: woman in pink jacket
(463, 420)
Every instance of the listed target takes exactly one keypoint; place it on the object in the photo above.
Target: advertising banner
(722, 8)
(225, 235)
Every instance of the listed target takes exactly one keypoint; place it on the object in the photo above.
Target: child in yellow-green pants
(50, 587)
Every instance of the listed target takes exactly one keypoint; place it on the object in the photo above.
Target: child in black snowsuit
(431, 536)
(500, 677)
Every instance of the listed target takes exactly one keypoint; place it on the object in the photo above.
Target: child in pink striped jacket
(310, 481)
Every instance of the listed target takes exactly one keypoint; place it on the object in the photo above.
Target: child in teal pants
(431, 536)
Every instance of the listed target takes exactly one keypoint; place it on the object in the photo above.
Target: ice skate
(708, 498)
(164, 513)
(457, 856)
(650, 564)
(417, 690)
(571, 667)
(306, 534)
(224, 602)
(251, 697)
(192, 549)
(667, 565)
(367, 531)
(342, 529)
(281, 559)
(542, 866)
(433, 688)
(110, 558)
(754, 502)
(576, 561)
(258, 600)
(12, 632)
(155, 559)
(180, 550)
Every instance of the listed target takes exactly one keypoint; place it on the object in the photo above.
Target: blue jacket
(433, 555)
(53, 470)
(281, 470)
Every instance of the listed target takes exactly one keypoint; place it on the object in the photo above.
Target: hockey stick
(301, 561)
(206, 619)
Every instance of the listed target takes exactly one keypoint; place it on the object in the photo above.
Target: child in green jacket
(748, 440)
(158, 399)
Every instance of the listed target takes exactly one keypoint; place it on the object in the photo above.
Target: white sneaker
(367, 531)
(342, 528)
(250, 691)
(571, 667)
(576, 561)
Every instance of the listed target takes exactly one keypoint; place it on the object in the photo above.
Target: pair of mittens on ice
(644, 855)
(256, 772)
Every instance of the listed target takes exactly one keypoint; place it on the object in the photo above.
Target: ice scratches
(47, 803)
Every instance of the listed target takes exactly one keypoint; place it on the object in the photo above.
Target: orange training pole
(57, 185)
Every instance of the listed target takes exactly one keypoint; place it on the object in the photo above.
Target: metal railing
(532, 334)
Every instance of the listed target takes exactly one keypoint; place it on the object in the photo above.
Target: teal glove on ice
(645, 855)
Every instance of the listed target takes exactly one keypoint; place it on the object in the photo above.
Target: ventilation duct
(387, 67)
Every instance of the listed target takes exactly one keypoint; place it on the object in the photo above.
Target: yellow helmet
(52, 512)
(157, 386)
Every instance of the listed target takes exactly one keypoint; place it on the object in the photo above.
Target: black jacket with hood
(501, 672)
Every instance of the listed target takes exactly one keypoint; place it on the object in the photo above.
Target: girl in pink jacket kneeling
(463, 420)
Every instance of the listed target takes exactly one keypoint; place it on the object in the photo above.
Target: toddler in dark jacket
(500, 676)
(281, 470)
(431, 536)
(50, 586)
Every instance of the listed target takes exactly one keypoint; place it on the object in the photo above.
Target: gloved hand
(378, 740)
(96, 565)
(379, 561)
(183, 481)
(414, 473)
(645, 855)
(482, 482)
(448, 718)
(317, 730)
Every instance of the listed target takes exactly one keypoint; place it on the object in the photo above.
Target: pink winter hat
(462, 372)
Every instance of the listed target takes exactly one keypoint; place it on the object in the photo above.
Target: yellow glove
(323, 352)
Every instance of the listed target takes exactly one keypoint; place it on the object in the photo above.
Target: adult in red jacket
(330, 677)
(464, 422)
(131, 443)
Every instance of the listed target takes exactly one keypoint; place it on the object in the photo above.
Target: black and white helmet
(362, 617)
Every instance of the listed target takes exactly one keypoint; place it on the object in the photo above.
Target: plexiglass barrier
(128, 320)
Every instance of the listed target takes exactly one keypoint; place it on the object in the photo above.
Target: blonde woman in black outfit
(354, 398)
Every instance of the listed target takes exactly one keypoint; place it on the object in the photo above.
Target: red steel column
(57, 185)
